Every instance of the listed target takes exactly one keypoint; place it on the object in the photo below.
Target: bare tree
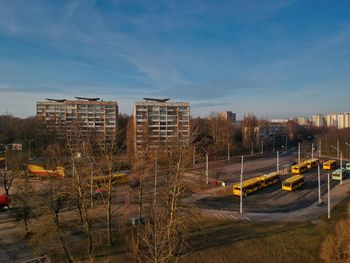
(162, 237)
(12, 169)
(25, 201)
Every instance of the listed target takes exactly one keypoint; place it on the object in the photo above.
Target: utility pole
(341, 167)
(206, 166)
(241, 186)
(262, 146)
(273, 143)
(312, 150)
(278, 162)
(252, 150)
(228, 151)
(286, 142)
(337, 148)
(319, 183)
(29, 142)
(299, 152)
(319, 148)
(329, 197)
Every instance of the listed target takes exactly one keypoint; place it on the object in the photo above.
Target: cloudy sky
(272, 58)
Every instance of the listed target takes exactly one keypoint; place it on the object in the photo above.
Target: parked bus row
(306, 165)
(251, 185)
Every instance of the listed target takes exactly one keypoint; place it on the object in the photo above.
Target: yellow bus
(329, 165)
(121, 177)
(299, 168)
(268, 179)
(248, 186)
(311, 163)
(40, 170)
(293, 182)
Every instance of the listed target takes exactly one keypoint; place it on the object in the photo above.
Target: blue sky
(275, 59)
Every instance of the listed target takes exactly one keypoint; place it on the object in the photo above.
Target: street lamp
(29, 142)
(206, 166)
(341, 163)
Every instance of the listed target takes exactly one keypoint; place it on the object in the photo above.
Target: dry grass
(257, 242)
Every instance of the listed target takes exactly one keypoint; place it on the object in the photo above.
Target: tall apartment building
(158, 122)
(332, 120)
(318, 120)
(228, 116)
(87, 114)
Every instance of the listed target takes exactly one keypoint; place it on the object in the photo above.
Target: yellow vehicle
(268, 179)
(299, 168)
(329, 165)
(293, 182)
(248, 186)
(117, 178)
(41, 170)
(311, 163)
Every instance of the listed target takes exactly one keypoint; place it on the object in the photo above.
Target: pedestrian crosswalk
(231, 217)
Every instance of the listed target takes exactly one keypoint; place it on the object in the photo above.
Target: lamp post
(29, 142)
(241, 186)
(278, 162)
(286, 142)
(329, 197)
(341, 162)
(206, 166)
(312, 150)
(298, 152)
(319, 184)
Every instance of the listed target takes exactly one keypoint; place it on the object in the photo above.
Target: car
(5, 201)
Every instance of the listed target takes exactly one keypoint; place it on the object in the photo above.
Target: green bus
(336, 174)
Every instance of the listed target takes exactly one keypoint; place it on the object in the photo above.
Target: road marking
(246, 218)
(233, 217)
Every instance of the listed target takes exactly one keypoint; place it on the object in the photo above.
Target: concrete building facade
(88, 114)
(228, 116)
(318, 120)
(158, 122)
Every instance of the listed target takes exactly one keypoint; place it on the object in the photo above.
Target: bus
(329, 165)
(41, 170)
(336, 174)
(347, 166)
(120, 177)
(293, 182)
(311, 163)
(248, 186)
(268, 179)
(299, 168)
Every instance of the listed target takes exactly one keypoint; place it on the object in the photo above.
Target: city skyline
(276, 59)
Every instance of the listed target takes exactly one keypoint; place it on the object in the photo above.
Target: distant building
(158, 122)
(228, 116)
(332, 120)
(86, 114)
(303, 121)
(318, 120)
